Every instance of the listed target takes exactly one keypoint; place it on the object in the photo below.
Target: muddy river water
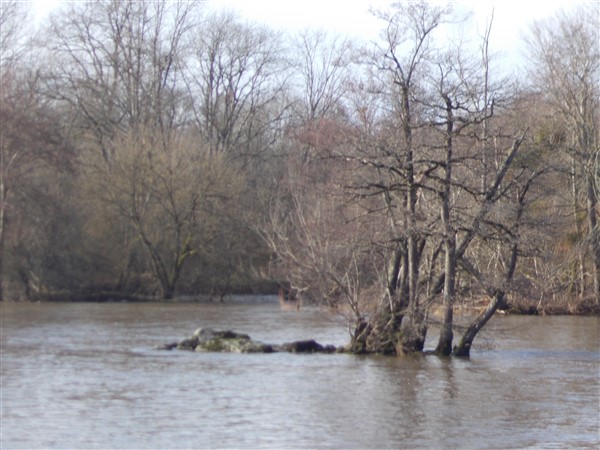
(88, 376)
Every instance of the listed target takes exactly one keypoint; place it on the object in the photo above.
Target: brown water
(87, 376)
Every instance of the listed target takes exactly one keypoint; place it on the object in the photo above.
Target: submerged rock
(169, 346)
(308, 346)
(209, 340)
(188, 344)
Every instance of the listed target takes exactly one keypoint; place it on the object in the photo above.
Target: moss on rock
(209, 340)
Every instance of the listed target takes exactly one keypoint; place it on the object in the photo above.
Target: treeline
(154, 150)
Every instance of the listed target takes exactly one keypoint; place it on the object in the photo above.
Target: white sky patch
(41, 8)
(349, 17)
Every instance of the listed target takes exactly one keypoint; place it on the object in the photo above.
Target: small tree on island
(429, 176)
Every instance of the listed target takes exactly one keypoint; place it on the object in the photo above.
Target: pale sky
(352, 17)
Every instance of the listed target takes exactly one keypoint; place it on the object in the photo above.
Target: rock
(206, 334)
(233, 345)
(309, 346)
(188, 344)
(209, 340)
(169, 346)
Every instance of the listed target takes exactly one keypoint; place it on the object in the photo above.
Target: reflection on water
(87, 376)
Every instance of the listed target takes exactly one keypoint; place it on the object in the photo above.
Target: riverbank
(551, 307)
(526, 307)
(555, 307)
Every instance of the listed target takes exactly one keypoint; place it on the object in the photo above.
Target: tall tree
(117, 65)
(413, 161)
(235, 78)
(322, 69)
(33, 150)
(10, 16)
(565, 66)
(406, 53)
(172, 192)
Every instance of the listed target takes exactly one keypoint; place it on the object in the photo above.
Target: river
(88, 376)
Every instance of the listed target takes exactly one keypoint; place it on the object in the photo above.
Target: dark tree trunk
(167, 292)
(413, 329)
(444, 346)
(413, 332)
(464, 346)
(499, 295)
(594, 234)
(3, 195)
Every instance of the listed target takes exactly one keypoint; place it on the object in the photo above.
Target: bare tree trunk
(444, 346)
(395, 282)
(413, 329)
(2, 207)
(464, 346)
(167, 288)
(578, 281)
(485, 56)
(498, 299)
(499, 295)
(3, 197)
(594, 233)
(394, 274)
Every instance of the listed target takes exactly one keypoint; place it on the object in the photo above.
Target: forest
(160, 151)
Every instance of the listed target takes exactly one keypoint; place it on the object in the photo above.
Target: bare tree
(116, 64)
(235, 78)
(318, 233)
(12, 16)
(32, 147)
(323, 69)
(412, 162)
(408, 47)
(9, 19)
(34, 154)
(565, 66)
(172, 192)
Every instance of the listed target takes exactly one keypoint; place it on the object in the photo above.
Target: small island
(227, 341)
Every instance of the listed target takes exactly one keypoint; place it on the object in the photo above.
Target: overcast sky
(352, 17)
